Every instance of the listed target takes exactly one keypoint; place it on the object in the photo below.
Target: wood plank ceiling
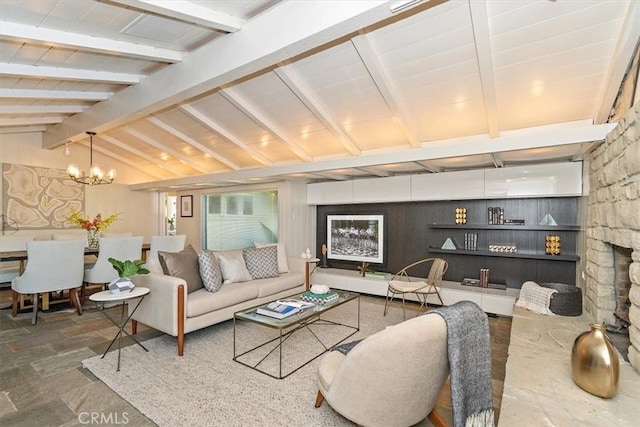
(216, 93)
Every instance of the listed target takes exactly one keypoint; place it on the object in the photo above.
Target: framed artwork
(186, 206)
(356, 238)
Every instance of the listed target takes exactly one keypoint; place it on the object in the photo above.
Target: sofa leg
(319, 400)
(436, 419)
(181, 320)
(134, 326)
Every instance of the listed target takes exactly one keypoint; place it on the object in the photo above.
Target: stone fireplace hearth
(613, 231)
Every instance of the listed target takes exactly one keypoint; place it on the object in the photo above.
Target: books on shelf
(471, 241)
(320, 299)
(279, 311)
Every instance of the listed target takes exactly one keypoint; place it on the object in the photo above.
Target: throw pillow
(233, 267)
(210, 272)
(283, 264)
(183, 264)
(262, 262)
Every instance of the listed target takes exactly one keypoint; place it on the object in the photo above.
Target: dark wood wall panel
(409, 237)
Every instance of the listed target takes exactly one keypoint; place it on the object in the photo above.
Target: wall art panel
(39, 197)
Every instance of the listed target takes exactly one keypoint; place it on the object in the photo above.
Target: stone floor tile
(77, 342)
(36, 339)
(11, 359)
(32, 393)
(48, 413)
(6, 406)
(61, 362)
(12, 335)
(12, 377)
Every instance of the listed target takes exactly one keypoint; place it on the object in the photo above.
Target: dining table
(22, 258)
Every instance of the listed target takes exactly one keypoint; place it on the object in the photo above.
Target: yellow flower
(97, 224)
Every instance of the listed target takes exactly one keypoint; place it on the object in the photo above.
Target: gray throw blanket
(469, 350)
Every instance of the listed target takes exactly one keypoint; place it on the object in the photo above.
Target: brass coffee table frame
(288, 326)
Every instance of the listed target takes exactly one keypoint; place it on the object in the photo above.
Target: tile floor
(42, 382)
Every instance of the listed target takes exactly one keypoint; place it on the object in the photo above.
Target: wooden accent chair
(51, 266)
(392, 377)
(401, 283)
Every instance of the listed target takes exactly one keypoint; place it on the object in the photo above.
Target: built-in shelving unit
(524, 252)
(524, 255)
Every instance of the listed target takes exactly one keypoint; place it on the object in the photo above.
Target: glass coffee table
(312, 321)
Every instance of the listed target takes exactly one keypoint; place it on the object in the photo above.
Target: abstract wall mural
(38, 197)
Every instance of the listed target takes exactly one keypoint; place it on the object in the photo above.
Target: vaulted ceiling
(217, 93)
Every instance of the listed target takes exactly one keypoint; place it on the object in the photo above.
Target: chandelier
(96, 174)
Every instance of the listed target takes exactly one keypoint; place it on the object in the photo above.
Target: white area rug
(206, 387)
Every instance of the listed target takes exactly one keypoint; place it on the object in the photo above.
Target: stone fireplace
(612, 294)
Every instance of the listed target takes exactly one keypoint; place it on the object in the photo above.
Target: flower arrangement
(96, 224)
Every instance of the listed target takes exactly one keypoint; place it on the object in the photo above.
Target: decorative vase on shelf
(93, 239)
(594, 362)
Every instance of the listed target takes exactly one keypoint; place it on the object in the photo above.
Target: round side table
(101, 298)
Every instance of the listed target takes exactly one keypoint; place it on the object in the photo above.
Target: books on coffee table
(321, 299)
(279, 311)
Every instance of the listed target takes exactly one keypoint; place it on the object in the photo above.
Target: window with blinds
(237, 220)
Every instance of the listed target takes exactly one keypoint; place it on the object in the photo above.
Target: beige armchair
(402, 283)
(392, 378)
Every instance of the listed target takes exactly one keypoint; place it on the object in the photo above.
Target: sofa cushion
(210, 272)
(183, 264)
(261, 262)
(283, 265)
(281, 283)
(203, 302)
(233, 267)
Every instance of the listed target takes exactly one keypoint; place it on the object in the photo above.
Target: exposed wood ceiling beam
(164, 148)
(22, 129)
(622, 55)
(137, 153)
(122, 159)
(316, 24)
(252, 112)
(57, 38)
(428, 167)
(468, 146)
(44, 72)
(26, 121)
(304, 94)
(41, 109)
(482, 36)
(377, 172)
(54, 94)
(332, 176)
(188, 11)
(497, 160)
(192, 142)
(197, 115)
(402, 115)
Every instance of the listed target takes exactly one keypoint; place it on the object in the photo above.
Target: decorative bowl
(319, 289)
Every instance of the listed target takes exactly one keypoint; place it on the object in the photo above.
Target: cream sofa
(170, 309)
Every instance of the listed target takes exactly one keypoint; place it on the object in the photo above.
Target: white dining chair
(120, 248)
(164, 244)
(70, 235)
(51, 266)
(11, 269)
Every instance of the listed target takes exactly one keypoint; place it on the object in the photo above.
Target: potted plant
(125, 270)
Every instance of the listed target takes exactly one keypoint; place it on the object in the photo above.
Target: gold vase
(594, 362)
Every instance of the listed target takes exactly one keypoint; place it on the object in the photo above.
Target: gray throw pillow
(233, 267)
(210, 272)
(183, 264)
(261, 262)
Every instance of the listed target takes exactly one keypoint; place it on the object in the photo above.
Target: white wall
(140, 210)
